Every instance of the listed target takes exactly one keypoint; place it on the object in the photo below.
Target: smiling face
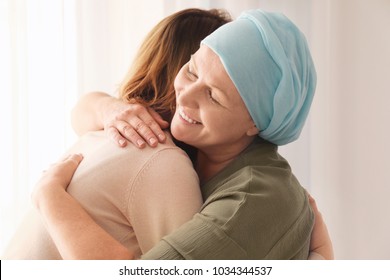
(210, 113)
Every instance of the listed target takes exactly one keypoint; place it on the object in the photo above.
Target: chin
(178, 134)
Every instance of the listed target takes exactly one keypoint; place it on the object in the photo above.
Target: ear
(252, 131)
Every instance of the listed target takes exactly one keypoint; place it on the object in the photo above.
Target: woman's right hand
(122, 121)
(132, 121)
(56, 178)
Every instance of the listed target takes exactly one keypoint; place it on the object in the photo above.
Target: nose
(188, 95)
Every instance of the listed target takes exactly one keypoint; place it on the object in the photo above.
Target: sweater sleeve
(164, 195)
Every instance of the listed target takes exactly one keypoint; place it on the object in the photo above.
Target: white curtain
(52, 51)
(38, 77)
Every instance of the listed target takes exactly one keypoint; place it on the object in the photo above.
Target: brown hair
(167, 47)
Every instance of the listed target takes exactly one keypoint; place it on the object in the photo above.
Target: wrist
(44, 193)
(103, 108)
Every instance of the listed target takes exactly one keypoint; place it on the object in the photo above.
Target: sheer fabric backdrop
(53, 51)
(38, 54)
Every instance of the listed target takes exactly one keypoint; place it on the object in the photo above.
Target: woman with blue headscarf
(246, 90)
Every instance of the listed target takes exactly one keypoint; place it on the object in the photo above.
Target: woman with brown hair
(124, 189)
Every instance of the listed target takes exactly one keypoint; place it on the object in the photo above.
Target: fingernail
(161, 137)
(152, 141)
(122, 142)
(140, 143)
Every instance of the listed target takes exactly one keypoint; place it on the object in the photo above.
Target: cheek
(176, 87)
(176, 129)
(231, 124)
(179, 81)
(220, 122)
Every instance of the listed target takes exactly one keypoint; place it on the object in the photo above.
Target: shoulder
(265, 223)
(259, 194)
(166, 156)
(256, 192)
(96, 144)
(259, 170)
(163, 169)
(105, 161)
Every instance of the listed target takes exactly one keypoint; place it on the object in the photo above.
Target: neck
(208, 168)
(212, 161)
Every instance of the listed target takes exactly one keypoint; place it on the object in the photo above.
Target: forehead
(205, 54)
(211, 70)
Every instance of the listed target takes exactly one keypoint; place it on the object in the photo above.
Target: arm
(122, 121)
(203, 238)
(73, 231)
(321, 244)
(165, 250)
(87, 115)
(165, 195)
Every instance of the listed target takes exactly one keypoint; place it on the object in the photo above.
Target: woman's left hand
(320, 242)
(57, 177)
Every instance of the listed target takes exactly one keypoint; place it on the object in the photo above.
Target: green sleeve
(249, 217)
(197, 239)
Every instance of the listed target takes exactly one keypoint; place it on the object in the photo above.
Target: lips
(187, 118)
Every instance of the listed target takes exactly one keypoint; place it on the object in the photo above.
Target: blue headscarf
(269, 62)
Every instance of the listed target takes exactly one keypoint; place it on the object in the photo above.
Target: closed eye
(210, 93)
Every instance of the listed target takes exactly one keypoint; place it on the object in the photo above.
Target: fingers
(65, 170)
(138, 125)
(115, 135)
(313, 203)
(320, 240)
(122, 131)
(160, 121)
(149, 130)
(146, 126)
(318, 219)
(135, 123)
(56, 177)
(61, 172)
(72, 158)
(70, 162)
(75, 159)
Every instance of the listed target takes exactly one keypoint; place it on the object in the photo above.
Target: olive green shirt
(254, 209)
